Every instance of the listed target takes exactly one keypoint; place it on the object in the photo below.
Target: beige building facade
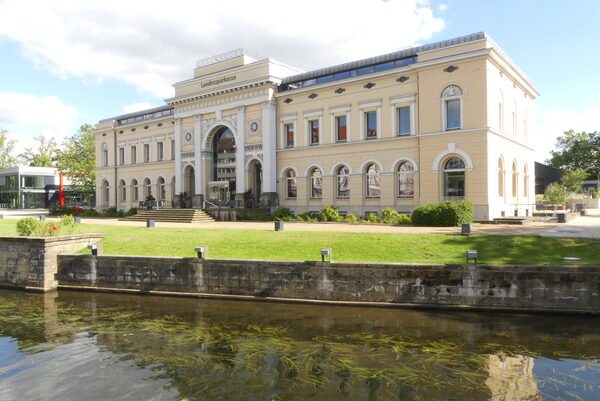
(443, 121)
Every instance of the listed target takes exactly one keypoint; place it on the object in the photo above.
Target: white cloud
(133, 107)
(152, 44)
(27, 116)
(553, 122)
(442, 7)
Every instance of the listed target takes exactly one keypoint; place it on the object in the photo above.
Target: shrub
(260, 216)
(391, 216)
(27, 226)
(403, 219)
(443, 214)
(306, 217)
(351, 218)
(131, 212)
(372, 218)
(67, 225)
(329, 213)
(282, 213)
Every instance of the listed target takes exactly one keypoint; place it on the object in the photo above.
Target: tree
(77, 156)
(556, 193)
(577, 151)
(573, 179)
(43, 155)
(7, 146)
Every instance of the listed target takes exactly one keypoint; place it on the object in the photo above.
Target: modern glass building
(24, 187)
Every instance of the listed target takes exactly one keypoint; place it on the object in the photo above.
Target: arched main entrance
(222, 186)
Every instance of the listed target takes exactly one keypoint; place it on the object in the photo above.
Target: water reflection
(76, 346)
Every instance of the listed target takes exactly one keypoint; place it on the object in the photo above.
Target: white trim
(340, 109)
(314, 113)
(336, 165)
(370, 103)
(445, 100)
(452, 150)
(250, 160)
(283, 135)
(405, 159)
(288, 167)
(364, 164)
(307, 131)
(213, 126)
(288, 117)
(313, 165)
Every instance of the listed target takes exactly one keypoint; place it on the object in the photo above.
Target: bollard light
(465, 229)
(326, 252)
(279, 226)
(149, 223)
(93, 248)
(472, 254)
(77, 220)
(42, 217)
(201, 251)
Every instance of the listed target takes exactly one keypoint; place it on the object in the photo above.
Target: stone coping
(58, 238)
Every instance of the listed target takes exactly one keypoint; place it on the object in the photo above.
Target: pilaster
(240, 153)
(178, 175)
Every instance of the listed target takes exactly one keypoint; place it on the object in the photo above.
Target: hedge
(443, 214)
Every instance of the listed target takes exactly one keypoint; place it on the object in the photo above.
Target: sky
(64, 63)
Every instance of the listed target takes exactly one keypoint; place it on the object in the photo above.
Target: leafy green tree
(573, 179)
(577, 151)
(7, 147)
(556, 193)
(43, 154)
(77, 156)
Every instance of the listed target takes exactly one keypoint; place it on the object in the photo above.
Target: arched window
(525, 181)
(342, 182)
(162, 193)
(316, 183)
(105, 193)
(454, 179)
(500, 177)
(104, 155)
(224, 161)
(147, 187)
(291, 185)
(135, 194)
(373, 181)
(515, 180)
(123, 190)
(406, 183)
(452, 104)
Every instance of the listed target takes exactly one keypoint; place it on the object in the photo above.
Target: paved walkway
(584, 227)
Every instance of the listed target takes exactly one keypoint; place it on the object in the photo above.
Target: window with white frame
(370, 124)
(342, 182)
(372, 181)
(452, 107)
(134, 190)
(123, 190)
(146, 152)
(316, 183)
(500, 177)
(288, 130)
(133, 154)
(515, 180)
(147, 187)
(160, 147)
(313, 126)
(291, 184)
(172, 149)
(341, 125)
(454, 179)
(104, 155)
(121, 156)
(404, 120)
(402, 115)
(406, 182)
(162, 193)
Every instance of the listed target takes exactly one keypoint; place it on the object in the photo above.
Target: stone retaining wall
(32, 261)
(550, 288)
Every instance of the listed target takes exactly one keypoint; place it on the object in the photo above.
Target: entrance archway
(224, 158)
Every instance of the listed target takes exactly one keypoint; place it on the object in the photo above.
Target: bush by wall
(330, 213)
(443, 214)
(30, 227)
(79, 211)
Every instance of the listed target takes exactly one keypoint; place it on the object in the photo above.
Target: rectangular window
(172, 149)
(159, 151)
(136, 193)
(289, 135)
(133, 155)
(453, 114)
(340, 124)
(314, 132)
(371, 124)
(105, 158)
(404, 121)
(146, 152)
(121, 156)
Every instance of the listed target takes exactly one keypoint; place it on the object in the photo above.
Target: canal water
(89, 346)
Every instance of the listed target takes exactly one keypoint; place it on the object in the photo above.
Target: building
(442, 121)
(24, 187)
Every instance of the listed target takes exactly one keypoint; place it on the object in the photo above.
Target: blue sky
(72, 62)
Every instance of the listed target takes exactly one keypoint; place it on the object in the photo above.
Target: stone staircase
(171, 215)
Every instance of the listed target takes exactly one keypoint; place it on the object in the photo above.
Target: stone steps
(171, 216)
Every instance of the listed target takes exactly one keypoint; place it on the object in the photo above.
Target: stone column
(198, 196)
(240, 155)
(269, 190)
(178, 175)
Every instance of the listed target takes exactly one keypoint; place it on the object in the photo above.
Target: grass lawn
(357, 247)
